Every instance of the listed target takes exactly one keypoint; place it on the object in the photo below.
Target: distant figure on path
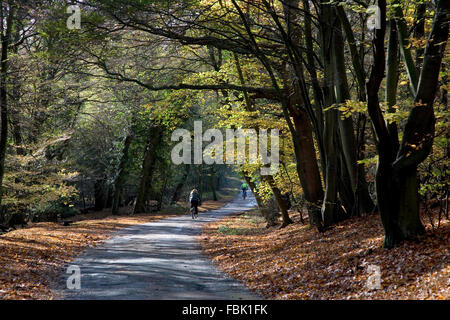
(194, 199)
(244, 188)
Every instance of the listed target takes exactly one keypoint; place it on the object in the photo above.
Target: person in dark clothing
(194, 199)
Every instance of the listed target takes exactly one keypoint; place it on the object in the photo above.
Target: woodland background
(87, 114)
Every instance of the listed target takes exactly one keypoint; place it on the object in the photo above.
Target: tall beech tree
(396, 178)
(7, 16)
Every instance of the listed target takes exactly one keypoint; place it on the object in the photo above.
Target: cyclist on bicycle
(244, 188)
(194, 199)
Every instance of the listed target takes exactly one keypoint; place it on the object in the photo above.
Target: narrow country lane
(157, 260)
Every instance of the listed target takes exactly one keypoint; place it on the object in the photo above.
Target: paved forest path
(157, 260)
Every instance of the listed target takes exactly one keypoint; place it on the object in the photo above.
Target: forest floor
(297, 262)
(33, 256)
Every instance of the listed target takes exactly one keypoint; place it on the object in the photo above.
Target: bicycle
(244, 194)
(193, 213)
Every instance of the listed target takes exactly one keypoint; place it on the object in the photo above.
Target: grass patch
(234, 231)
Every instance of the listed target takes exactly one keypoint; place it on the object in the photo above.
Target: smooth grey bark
(329, 206)
(311, 66)
(360, 200)
(396, 179)
(392, 75)
(419, 32)
(405, 46)
(346, 128)
(354, 54)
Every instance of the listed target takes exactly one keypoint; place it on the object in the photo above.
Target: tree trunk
(15, 116)
(289, 107)
(109, 196)
(329, 207)
(346, 130)
(398, 202)
(311, 66)
(346, 202)
(269, 216)
(280, 201)
(177, 193)
(120, 179)
(361, 201)
(419, 32)
(99, 194)
(5, 29)
(307, 167)
(396, 180)
(147, 167)
(301, 110)
(162, 192)
(212, 183)
(200, 179)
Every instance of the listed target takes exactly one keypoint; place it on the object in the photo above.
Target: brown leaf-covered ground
(299, 263)
(32, 257)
